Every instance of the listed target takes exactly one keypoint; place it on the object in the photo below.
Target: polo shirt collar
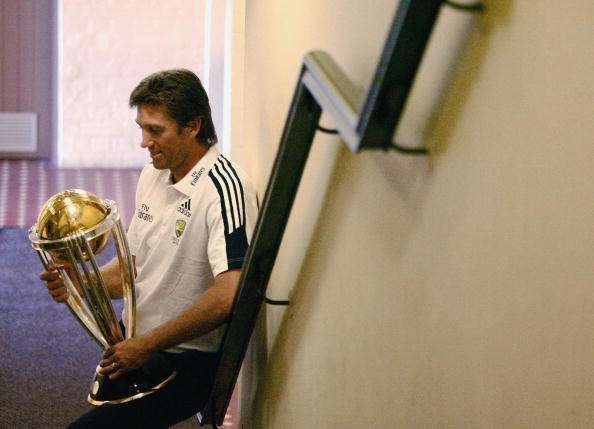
(187, 185)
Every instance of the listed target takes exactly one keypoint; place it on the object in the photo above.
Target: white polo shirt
(184, 234)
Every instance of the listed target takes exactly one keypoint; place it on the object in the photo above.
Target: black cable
(477, 7)
(326, 130)
(401, 149)
(273, 301)
(409, 150)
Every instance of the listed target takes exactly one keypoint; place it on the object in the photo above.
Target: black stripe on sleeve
(235, 241)
(229, 196)
(240, 186)
(239, 204)
(217, 185)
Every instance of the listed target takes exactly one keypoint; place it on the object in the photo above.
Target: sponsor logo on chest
(196, 175)
(144, 214)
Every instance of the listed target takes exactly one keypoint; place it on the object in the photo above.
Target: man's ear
(194, 126)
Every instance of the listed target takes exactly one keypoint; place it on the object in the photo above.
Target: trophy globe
(70, 212)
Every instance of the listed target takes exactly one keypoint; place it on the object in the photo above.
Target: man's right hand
(54, 284)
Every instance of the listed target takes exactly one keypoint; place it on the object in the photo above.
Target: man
(195, 211)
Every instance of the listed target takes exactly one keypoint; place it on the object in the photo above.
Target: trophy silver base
(133, 385)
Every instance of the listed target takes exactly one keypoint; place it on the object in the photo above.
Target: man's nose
(146, 140)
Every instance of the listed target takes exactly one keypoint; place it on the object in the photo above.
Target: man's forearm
(208, 312)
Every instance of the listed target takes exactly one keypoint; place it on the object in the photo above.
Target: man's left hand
(125, 356)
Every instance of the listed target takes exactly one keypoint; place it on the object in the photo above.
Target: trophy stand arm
(127, 269)
(80, 313)
(75, 303)
(94, 289)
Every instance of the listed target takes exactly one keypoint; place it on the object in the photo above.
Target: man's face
(170, 146)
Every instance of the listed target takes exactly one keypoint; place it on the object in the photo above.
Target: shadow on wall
(441, 126)
(407, 175)
(279, 363)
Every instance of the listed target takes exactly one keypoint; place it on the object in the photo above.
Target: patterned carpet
(26, 185)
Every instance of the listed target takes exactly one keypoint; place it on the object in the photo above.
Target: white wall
(450, 292)
(108, 46)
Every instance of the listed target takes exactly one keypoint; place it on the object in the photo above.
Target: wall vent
(18, 132)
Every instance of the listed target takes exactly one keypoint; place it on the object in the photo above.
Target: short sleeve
(226, 220)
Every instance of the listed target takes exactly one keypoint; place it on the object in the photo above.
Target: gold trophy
(74, 227)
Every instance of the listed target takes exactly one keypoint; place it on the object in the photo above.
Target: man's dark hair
(181, 93)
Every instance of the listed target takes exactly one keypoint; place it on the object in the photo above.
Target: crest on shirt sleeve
(180, 226)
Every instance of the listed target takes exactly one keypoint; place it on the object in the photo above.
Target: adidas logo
(185, 208)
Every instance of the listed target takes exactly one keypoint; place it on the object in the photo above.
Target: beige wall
(451, 292)
(108, 46)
